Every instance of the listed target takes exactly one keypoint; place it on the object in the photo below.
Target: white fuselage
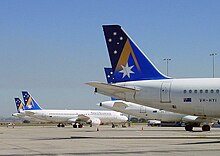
(198, 96)
(70, 116)
(141, 111)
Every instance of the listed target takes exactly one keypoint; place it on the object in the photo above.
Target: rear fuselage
(199, 96)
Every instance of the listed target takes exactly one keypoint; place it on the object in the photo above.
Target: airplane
(139, 81)
(76, 117)
(20, 111)
(151, 114)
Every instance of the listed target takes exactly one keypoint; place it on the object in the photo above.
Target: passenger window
(201, 91)
(190, 91)
(217, 91)
(206, 91)
(212, 91)
(184, 91)
(195, 91)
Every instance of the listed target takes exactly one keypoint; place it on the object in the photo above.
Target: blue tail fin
(30, 103)
(128, 62)
(109, 75)
(19, 105)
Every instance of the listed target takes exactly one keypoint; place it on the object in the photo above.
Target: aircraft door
(142, 109)
(165, 92)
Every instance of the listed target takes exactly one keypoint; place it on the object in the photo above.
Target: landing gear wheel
(62, 125)
(80, 126)
(188, 127)
(205, 128)
(74, 126)
(58, 125)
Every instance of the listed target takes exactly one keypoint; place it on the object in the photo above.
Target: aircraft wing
(198, 119)
(80, 118)
(83, 118)
(112, 90)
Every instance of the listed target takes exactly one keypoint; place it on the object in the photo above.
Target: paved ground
(170, 141)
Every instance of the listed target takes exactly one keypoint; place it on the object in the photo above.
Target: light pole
(167, 62)
(213, 63)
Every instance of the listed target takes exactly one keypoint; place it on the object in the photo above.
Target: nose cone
(125, 118)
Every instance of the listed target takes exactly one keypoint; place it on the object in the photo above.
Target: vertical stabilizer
(30, 103)
(128, 62)
(19, 105)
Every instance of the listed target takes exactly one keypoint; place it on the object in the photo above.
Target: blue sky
(51, 48)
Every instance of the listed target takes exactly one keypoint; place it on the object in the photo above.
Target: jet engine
(94, 122)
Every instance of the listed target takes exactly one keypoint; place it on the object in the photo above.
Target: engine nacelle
(95, 121)
(154, 122)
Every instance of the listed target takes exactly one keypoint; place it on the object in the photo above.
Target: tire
(188, 127)
(205, 128)
(80, 126)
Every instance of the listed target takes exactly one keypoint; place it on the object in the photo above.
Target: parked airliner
(148, 113)
(139, 81)
(75, 117)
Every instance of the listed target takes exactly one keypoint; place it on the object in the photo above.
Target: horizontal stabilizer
(29, 113)
(112, 90)
(120, 106)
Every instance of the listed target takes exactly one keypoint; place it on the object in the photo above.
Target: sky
(52, 48)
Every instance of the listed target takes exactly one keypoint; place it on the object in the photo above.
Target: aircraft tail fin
(19, 105)
(128, 62)
(110, 78)
(30, 103)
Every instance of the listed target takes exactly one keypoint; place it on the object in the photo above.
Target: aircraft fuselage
(198, 96)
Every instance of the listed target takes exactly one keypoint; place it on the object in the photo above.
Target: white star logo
(29, 106)
(126, 70)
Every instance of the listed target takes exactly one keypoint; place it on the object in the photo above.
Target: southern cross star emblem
(126, 70)
(29, 106)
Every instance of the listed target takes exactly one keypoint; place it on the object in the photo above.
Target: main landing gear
(113, 125)
(204, 128)
(60, 125)
(77, 125)
(188, 127)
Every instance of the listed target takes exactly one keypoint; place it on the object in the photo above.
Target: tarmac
(135, 140)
